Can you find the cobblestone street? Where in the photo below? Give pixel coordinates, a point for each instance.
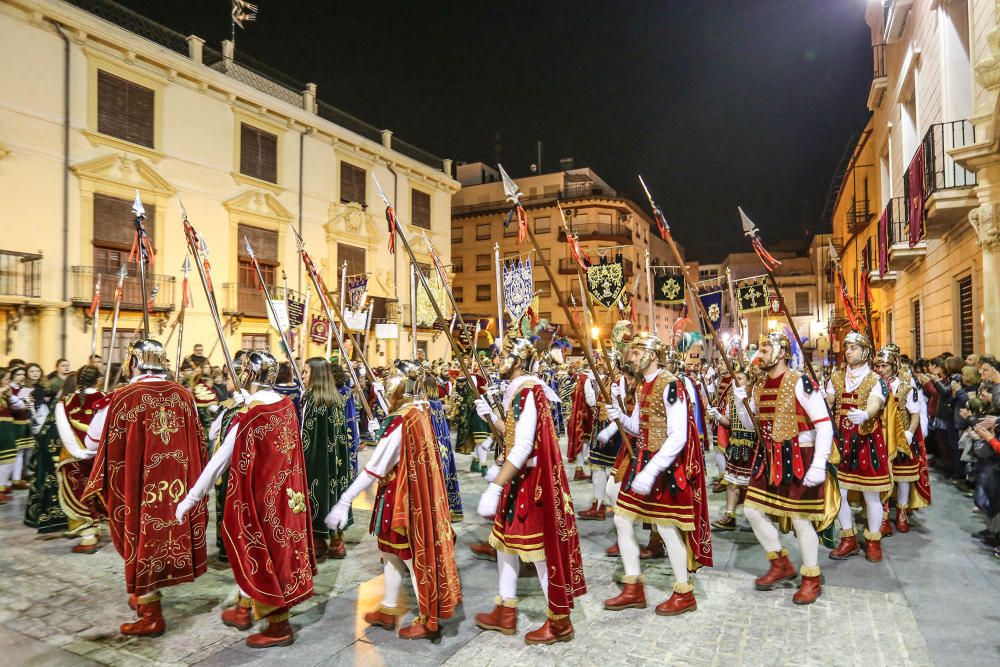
(933, 601)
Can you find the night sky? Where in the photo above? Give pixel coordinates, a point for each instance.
(717, 103)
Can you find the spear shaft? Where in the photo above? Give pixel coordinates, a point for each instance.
(274, 314)
(114, 326)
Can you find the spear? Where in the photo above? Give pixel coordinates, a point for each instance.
(95, 314)
(122, 272)
(330, 307)
(185, 296)
(199, 250)
(668, 237)
(396, 229)
(514, 196)
(274, 313)
(141, 243)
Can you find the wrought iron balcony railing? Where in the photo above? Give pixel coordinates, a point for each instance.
(941, 172)
(898, 218)
(600, 231)
(249, 301)
(20, 274)
(858, 215)
(83, 282)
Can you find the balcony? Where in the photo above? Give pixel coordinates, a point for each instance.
(894, 15)
(568, 266)
(249, 301)
(20, 276)
(948, 187)
(543, 199)
(858, 215)
(600, 231)
(83, 283)
(901, 254)
(880, 81)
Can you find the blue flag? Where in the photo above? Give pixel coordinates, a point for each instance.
(712, 301)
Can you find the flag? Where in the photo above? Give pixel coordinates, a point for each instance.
(915, 197)
(518, 287)
(319, 329)
(296, 311)
(883, 244)
(357, 291)
(606, 282)
(95, 302)
(712, 302)
(775, 305)
(668, 288)
(752, 298)
(390, 218)
(576, 252)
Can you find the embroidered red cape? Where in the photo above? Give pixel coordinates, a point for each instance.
(151, 453)
(581, 420)
(267, 525)
(422, 515)
(560, 535)
(692, 466)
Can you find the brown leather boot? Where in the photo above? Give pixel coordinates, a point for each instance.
(150, 623)
(239, 616)
(277, 632)
(338, 550)
(886, 528)
(502, 619)
(781, 570)
(848, 547)
(613, 550)
(484, 550)
(678, 603)
(633, 596)
(902, 520)
(873, 551)
(654, 549)
(552, 631)
(419, 629)
(133, 602)
(580, 475)
(727, 522)
(381, 619)
(594, 513)
(809, 590)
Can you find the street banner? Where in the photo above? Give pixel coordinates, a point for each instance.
(606, 282)
(712, 301)
(669, 289)
(518, 287)
(752, 298)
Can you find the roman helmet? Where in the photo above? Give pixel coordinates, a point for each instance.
(258, 368)
(517, 351)
(888, 355)
(653, 350)
(614, 361)
(778, 341)
(404, 384)
(146, 355)
(861, 340)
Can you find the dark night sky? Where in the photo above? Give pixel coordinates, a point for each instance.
(716, 103)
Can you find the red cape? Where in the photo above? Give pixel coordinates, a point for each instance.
(267, 525)
(151, 453)
(692, 467)
(581, 420)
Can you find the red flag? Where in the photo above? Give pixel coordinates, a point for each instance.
(95, 303)
(390, 217)
(883, 243)
(915, 197)
(577, 252)
(522, 224)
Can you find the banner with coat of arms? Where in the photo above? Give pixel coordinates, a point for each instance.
(606, 282)
(319, 329)
(752, 298)
(357, 292)
(296, 310)
(668, 289)
(712, 301)
(426, 315)
(518, 287)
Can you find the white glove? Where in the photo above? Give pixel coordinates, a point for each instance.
(213, 409)
(856, 416)
(337, 518)
(489, 501)
(483, 409)
(86, 454)
(373, 426)
(616, 390)
(714, 414)
(740, 393)
(814, 476)
(378, 387)
(183, 507)
(614, 412)
(492, 390)
(492, 472)
(643, 482)
(909, 437)
(606, 434)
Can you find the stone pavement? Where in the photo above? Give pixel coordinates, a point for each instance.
(933, 601)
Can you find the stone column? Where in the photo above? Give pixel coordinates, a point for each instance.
(47, 343)
(986, 221)
(195, 44)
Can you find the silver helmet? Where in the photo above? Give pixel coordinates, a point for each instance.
(147, 355)
(259, 368)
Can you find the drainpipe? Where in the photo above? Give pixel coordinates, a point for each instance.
(63, 322)
(302, 146)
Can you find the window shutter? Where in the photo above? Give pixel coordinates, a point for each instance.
(355, 258)
(124, 109)
(352, 183)
(258, 153)
(264, 242)
(420, 205)
(113, 222)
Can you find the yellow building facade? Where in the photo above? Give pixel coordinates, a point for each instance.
(933, 100)
(98, 112)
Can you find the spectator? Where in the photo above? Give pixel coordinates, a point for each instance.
(196, 359)
(97, 362)
(59, 375)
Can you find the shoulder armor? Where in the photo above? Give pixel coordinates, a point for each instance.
(672, 392)
(808, 385)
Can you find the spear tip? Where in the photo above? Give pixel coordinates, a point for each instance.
(246, 242)
(122, 272)
(137, 208)
(749, 228)
(186, 268)
(184, 213)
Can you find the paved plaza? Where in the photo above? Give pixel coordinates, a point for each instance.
(934, 600)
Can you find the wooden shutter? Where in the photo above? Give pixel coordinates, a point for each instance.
(258, 153)
(420, 209)
(114, 222)
(352, 183)
(124, 109)
(355, 258)
(264, 242)
(966, 321)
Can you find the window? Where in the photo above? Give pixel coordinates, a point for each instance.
(511, 230)
(420, 209)
(355, 258)
(459, 293)
(457, 233)
(124, 109)
(258, 153)
(258, 342)
(917, 343)
(458, 265)
(483, 232)
(482, 262)
(802, 303)
(352, 183)
(966, 323)
(114, 233)
(123, 338)
(483, 293)
(542, 224)
(249, 298)
(544, 288)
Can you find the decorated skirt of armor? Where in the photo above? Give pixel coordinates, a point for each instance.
(605, 454)
(739, 442)
(781, 458)
(864, 464)
(389, 541)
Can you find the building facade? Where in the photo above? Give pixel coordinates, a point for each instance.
(605, 223)
(916, 205)
(110, 103)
